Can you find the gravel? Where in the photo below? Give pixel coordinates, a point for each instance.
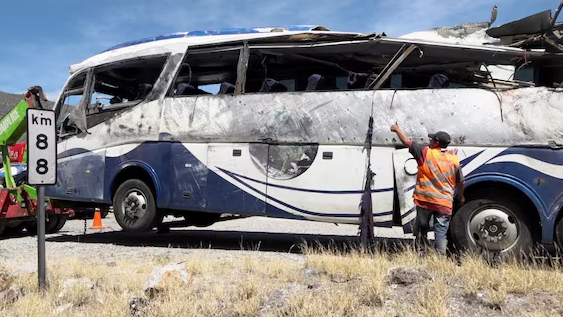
(274, 237)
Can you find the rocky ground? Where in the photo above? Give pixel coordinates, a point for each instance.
(260, 267)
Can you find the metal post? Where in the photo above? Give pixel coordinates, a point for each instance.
(41, 238)
(366, 224)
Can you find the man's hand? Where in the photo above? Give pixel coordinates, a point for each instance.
(404, 139)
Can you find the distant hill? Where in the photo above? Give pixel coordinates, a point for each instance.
(8, 101)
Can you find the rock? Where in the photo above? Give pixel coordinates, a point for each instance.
(73, 282)
(111, 264)
(6, 279)
(169, 276)
(12, 294)
(279, 297)
(25, 269)
(309, 271)
(137, 305)
(82, 281)
(61, 309)
(407, 276)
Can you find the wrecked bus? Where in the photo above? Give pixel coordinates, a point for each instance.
(272, 122)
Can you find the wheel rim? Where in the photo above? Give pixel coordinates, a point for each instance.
(494, 228)
(134, 204)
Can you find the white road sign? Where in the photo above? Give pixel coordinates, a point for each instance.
(41, 147)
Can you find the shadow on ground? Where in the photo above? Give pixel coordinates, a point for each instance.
(230, 240)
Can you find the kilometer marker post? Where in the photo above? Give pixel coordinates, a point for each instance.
(41, 171)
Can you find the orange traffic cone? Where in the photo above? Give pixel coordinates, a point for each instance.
(97, 220)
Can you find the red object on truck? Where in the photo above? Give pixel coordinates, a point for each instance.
(17, 152)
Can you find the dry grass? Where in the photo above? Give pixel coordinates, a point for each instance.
(326, 283)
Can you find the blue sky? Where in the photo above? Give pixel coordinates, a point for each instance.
(40, 39)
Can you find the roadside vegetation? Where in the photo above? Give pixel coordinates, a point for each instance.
(323, 282)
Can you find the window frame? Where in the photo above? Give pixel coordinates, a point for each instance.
(69, 92)
(133, 103)
(89, 84)
(206, 49)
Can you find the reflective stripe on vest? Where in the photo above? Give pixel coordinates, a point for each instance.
(436, 178)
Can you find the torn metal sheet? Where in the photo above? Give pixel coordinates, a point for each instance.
(530, 116)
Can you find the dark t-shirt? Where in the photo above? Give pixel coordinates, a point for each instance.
(419, 151)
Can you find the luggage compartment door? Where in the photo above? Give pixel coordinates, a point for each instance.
(406, 168)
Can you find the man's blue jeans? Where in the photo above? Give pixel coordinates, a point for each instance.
(422, 226)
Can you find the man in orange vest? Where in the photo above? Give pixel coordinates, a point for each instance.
(439, 174)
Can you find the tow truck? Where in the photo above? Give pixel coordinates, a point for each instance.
(18, 200)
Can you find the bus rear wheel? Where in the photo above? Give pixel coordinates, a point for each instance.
(134, 206)
(496, 226)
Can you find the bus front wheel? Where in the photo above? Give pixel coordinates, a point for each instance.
(134, 206)
(496, 226)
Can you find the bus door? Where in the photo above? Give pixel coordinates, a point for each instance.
(406, 168)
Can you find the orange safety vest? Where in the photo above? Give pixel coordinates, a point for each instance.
(436, 178)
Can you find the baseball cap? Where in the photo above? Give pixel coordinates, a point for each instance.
(442, 137)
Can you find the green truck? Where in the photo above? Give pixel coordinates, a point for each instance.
(18, 201)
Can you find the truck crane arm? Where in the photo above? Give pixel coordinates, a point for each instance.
(13, 127)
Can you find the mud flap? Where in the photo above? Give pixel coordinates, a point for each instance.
(406, 168)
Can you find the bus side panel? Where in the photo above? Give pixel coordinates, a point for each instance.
(325, 183)
(188, 182)
(79, 176)
(234, 184)
(152, 157)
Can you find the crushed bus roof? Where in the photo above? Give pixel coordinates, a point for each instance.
(231, 31)
(180, 42)
(292, 36)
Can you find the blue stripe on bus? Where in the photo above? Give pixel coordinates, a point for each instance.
(311, 213)
(232, 174)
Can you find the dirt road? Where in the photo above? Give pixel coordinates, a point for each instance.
(273, 237)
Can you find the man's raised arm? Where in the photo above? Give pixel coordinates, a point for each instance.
(402, 136)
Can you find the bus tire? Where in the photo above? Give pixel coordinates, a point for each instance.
(559, 232)
(134, 206)
(494, 227)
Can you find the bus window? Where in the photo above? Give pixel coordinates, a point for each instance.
(129, 81)
(71, 98)
(206, 73)
(120, 86)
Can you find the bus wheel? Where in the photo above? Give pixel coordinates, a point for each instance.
(559, 232)
(496, 226)
(134, 206)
